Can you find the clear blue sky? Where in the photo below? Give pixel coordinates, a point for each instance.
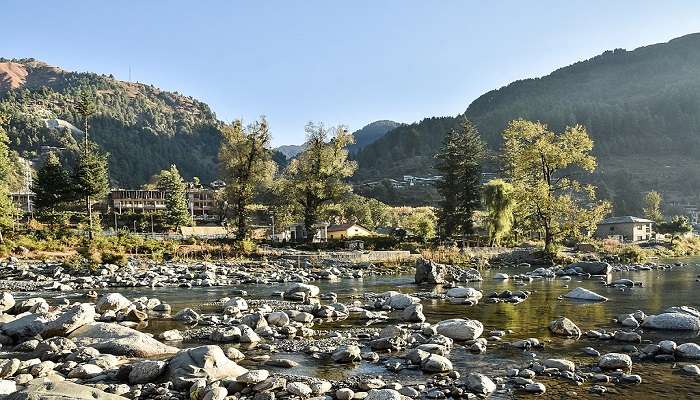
(348, 62)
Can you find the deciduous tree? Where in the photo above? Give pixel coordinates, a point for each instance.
(652, 206)
(676, 227)
(246, 164)
(499, 202)
(542, 166)
(318, 175)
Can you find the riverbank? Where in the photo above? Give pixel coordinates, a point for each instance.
(343, 328)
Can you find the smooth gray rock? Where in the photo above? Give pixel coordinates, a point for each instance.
(70, 320)
(51, 389)
(584, 294)
(112, 302)
(565, 327)
(201, 362)
(480, 383)
(615, 361)
(674, 321)
(460, 329)
(119, 340)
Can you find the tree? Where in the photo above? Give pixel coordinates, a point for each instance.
(542, 166)
(90, 179)
(51, 188)
(421, 222)
(459, 164)
(318, 175)
(176, 213)
(8, 211)
(499, 202)
(85, 106)
(652, 206)
(677, 227)
(246, 164)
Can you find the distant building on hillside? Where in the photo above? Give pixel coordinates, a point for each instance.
(200, 202)
(626, 229)
(24, 200)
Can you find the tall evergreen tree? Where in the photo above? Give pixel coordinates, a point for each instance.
(246, 163)
(51, 187)
(176, 213)
(90, 179)
(318, 175)
(459, 162)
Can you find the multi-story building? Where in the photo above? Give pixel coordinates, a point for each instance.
(24, 200)
(200, 202)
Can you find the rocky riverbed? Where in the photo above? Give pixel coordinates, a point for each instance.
(284, 329)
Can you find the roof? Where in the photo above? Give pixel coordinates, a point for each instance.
(627, 219)
(344, 227)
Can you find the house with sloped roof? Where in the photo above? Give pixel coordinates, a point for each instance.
(626, 229)
(347, 231)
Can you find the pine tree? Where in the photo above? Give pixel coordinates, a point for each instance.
(90, 179)
(459, 164)
(51, 187)
(246, 163)
(176, 213)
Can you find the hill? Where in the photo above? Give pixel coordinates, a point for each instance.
(641, 107)
(144, 129)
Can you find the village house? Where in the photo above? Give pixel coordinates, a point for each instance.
(625, 229)
(200, 202)
(347, 231)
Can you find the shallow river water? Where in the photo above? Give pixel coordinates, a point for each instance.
(661, 289)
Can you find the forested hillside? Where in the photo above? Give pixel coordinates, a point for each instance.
(143, 128)
(641, 107)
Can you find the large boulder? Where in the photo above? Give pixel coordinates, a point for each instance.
(689, 351)
(428, 271)
(112, 302)
(119, 340)
(300, 291)
(413, 313)
(436, 363)
(480, 383)
(565, 327)
(70, 320)
(26, 325)
(53, 389)
(146, 371)
(399, 301)
(383, 394)
(584, 294)
(208, 362)
(347, 354)
(591, 267)
(460, 329)
(672, 321)
(6, 301)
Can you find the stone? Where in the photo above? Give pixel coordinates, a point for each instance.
(119, 340)
(6, 301)
(8, 367)
(591, 267)
(536, 388)
(187, 315)
(429, 272)
(248, 335)
(201, 362)
(399, 301)
(70, 320)
(584, 294)
(383, 394)
(344, 394)
(501, 276)
(278, 319)
(112, 302)
(464, 293)
(460, 329)
(216, 393)
(691, 369)
(281, 363)
(347, 354)
(253, 377)
(7, 387)
(51, 389)
(300, 291)
(172, 335)
(85, 371)
(674, 321)
(225, 335)
(26, 326)
(146, 371)
(480, 383)
(299, 389)
(565, 327)
(560, 364)
(690, 351)
(615, 361)
(413, 313)
(630, 337)
(436, 363)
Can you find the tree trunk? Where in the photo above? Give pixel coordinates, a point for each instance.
(241, 220)
(88, 206)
